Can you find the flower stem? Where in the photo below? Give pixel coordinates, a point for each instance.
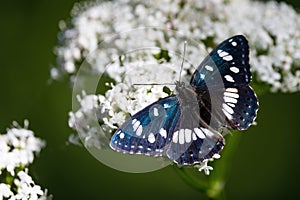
(214, 185)
(222, 167)
(191, 179)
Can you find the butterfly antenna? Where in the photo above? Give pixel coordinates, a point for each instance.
(184, 49)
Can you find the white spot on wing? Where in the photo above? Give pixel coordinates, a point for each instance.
(133, 121)
(233, 95)
(231, 104)
(234, 69)
(207, 132)
(188, 135)
(181, 136)
(233, 43)
(194, 136)
(136, 125)
(167, 105)
(139, 130)
(175, 137)
(209, 68)
(230, 99)
(222, 53)
(199, 133)
(229, 78)
(231, 90)
(151, 138)
(225, 55)
(122, 135)
(163, 133)
(228, 109)
(155, 111)
(228, 58)
(229, 116)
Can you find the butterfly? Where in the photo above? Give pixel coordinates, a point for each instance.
(186, 127)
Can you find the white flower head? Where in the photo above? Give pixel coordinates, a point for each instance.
(27, 188)
(272, 29)
(5, 191)
(17, 148)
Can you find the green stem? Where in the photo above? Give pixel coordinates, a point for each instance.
(222, 167)
(191, 180)
(213, 187)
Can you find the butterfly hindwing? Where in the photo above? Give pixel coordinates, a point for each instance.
(199, 144)
(148, 131)
(204, 146)
(193, 140)
(240, 106)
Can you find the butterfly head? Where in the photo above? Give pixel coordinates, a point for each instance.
(179, 85)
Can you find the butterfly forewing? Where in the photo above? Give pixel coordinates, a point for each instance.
(148, 131)
(230, 60)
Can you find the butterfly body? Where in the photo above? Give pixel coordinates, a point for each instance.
(185, 126)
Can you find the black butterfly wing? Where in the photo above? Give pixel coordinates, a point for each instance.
(240, 106)
(228, 62)
(222, 82)
(149, 131)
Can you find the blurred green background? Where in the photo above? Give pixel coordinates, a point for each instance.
(266, 165)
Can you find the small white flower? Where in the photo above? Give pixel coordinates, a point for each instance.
(204, 167)
(18, 147)
(5, 191)
(112, 109)
(26, 187)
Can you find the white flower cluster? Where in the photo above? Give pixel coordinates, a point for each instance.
(84, 121)
(26, 188)
(273, 30)
(17, 149)
(112, 108)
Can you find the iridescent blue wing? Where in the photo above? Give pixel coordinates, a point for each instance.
(229, 61)
(150, 130)
(225, 75)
